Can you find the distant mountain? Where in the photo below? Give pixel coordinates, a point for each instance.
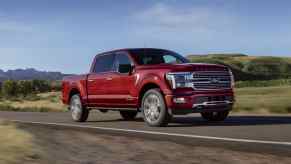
(29, 74)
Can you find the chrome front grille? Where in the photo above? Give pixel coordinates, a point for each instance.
(211, 80)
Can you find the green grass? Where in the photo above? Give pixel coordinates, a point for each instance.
(263, 100)
(263, 83)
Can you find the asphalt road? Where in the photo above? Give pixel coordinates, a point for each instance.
(264, 134)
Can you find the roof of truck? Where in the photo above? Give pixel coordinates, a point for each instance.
(133, 49)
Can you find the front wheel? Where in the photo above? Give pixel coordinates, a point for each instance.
(78, 111)
(215, 116)
(154, 109)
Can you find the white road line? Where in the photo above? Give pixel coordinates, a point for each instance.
(161, 133)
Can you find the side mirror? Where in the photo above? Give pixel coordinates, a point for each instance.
(125, 68)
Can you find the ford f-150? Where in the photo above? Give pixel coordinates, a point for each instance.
(158, 83)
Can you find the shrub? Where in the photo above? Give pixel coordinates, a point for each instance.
(12, 89)
(9, 88)
(269, 66)
(56, 86)
(25, 88)
(40, 86)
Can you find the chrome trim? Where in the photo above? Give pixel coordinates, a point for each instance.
(217, 73)
(213, 103)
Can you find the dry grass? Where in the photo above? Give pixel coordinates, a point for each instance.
(15, 145)
(263, 100)
(45, 102)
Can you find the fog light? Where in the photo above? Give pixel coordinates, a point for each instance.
(179, 100)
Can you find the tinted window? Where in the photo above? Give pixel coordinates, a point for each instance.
(104, 63)
(170, 59)
(121, 59)
(156, 56)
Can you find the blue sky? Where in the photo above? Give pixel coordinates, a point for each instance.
(64, 35)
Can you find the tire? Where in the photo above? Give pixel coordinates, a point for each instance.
(128, 115)
(79, 113)
(155, 113)
(215, 116)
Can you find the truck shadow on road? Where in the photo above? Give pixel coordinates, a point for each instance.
(188, 121)
(231, 121)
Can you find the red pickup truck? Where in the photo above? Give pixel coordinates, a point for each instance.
(158, 83)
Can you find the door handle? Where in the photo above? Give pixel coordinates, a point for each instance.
(90, 80)
(109, 78)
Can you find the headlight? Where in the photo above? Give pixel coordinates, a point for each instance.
(180, 79)
(232, 79)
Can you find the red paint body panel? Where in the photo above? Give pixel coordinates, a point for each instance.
(116, 90)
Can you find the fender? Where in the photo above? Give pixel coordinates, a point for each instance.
(81, 88)
(154, 79)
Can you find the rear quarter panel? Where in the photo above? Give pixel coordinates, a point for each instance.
(74, 83)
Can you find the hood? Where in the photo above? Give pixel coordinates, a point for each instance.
(191, 67)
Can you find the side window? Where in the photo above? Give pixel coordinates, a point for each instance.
(152, 59)
(104, 63)
(122, 63)
(170, 59)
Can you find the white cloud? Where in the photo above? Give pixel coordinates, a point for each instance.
(166, 17)
(182, 27)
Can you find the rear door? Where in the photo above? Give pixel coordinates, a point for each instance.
(97, 85)
(121, 84)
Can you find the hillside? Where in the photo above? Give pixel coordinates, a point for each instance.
(250, 67)
(243, 66)
(29, 74)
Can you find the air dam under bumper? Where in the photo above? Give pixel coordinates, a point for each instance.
(197, 103)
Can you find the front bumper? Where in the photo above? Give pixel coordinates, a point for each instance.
(201, 102)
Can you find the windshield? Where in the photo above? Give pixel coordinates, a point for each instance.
(154, 56)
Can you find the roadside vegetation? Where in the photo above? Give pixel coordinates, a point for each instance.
(250, 68)
(263, 83)
(41, 102)
(31, 96)
(26, 88)
(16, 145)
(263, 100)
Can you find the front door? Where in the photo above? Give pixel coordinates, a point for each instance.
(122, 83)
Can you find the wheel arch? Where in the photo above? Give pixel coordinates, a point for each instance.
(73, 92)
(145, 88)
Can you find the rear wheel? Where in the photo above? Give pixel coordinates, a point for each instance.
(78, 111)
(215, 116)
(128, 115)
(154, 109)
